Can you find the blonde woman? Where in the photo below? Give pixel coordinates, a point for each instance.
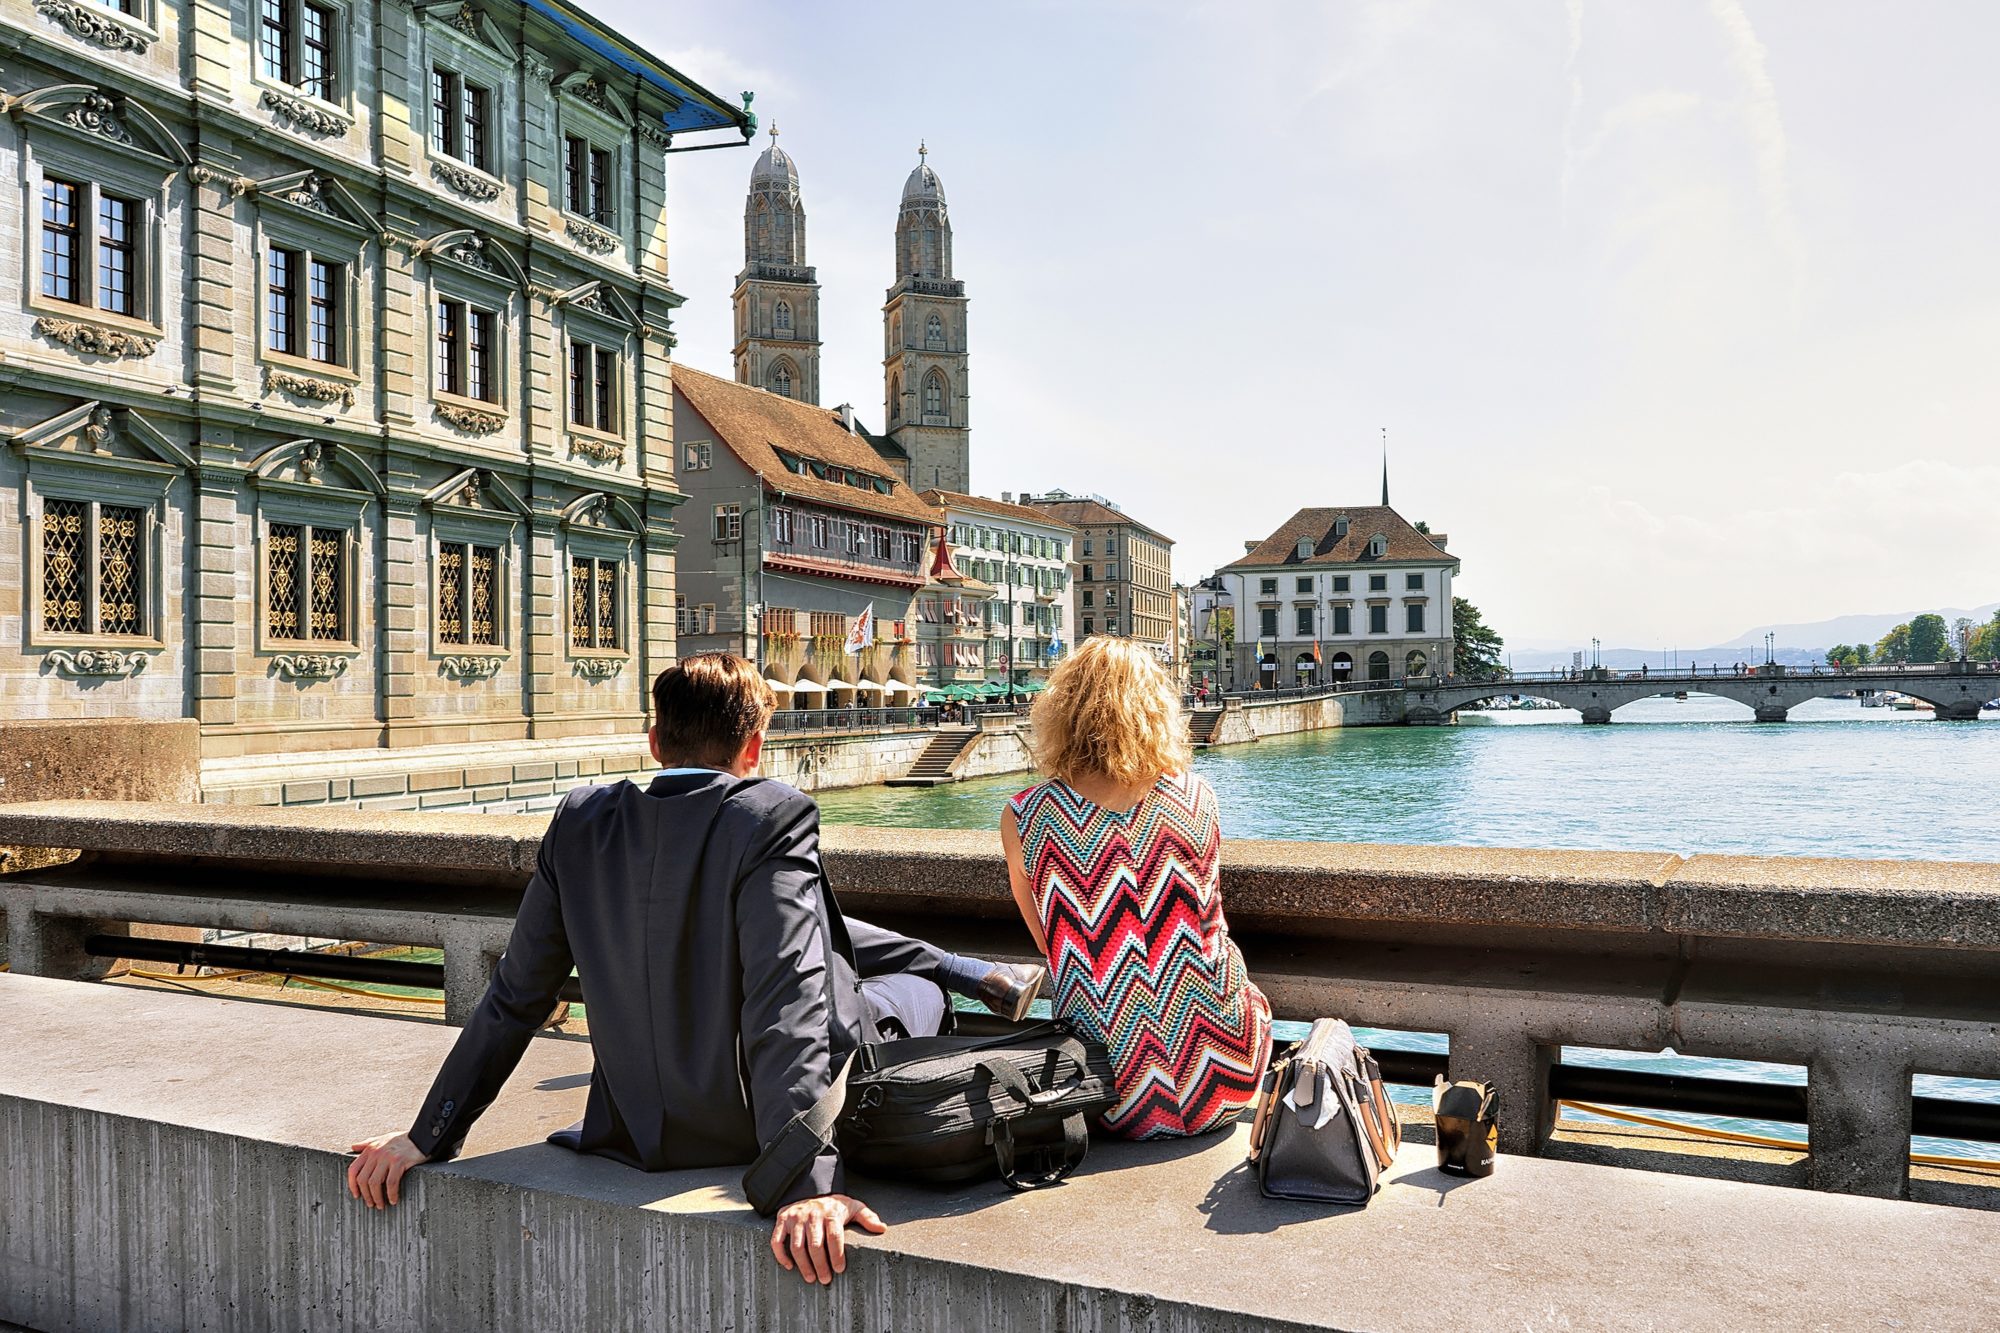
(1114, 862)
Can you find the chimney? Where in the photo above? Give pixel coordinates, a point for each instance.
(1006, 497)
(846, 411)
(1248, 547)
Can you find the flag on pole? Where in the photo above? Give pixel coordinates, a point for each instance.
(1316, 657)
(863, 632)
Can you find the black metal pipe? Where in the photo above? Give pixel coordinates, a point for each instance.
(1679, 1092)
(283, 962)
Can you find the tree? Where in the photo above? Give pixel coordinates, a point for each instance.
(1985, 640)
(1840, 655)
(1894, 647)
(1475, 649)
(1929, 639)
(1862, 653)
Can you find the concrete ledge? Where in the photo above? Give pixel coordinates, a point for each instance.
(177, 1163)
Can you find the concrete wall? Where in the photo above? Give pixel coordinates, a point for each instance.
(1253, 719)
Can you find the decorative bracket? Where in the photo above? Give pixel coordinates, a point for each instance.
(309, 666)
(99, 663)
(468, 667)
(470, 418)
(590, 236)
(471, 184)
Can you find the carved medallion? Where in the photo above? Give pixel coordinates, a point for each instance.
(97, 663)
(88, 22)
(310, 193)
(92, 340)
(599, 668)
(309, 666)
(591, 237)
(97, 114)
(471, 184)
(305, 386)
(468, 667)
(591, 91)
(470, 418)
(310, 118)
(470, 252)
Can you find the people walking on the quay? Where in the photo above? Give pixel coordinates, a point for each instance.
(725, 987)
(1115, 865)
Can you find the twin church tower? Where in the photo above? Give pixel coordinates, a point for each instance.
(923, 322)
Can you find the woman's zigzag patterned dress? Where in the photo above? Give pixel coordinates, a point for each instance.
(1139, 954)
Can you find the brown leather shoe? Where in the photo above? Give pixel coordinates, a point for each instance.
(1010, 988)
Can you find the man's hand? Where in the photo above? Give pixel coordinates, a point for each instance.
(809, 1237)
(375, 1177)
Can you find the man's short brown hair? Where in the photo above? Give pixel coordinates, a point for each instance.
(708, 707)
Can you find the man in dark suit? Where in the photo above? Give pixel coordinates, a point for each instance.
(722, 983)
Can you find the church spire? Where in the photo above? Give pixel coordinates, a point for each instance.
(1385, 467)
(924, 367)
(777, 294)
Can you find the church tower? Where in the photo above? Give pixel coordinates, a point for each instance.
(777, 294)
(924, 361)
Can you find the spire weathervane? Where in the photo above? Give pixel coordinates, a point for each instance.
(922, 151)
(774, 131)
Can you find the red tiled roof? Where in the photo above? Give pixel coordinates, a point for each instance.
(999, 508)
(754, 424)
(1082, 513)
(1363, 522)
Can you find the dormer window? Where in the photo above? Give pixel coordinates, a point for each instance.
(1378, 546)
(1339, 528)
(1305, 548)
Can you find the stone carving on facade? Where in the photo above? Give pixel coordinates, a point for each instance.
(468, 494)
(537, 66)
(470, 252)
(471, 184)
(604, 451)
(100, 431)
(591, 91)
(88, 22)
(92, 340)
(309, 193)
(306, 386)
(465, 666)
(466, 20)
(470, 418)
(98, 663)
(309, 666)
(310, 118)
(310, 458)
(599, 668)
(655, 134)
(592, 238)
(97, 114)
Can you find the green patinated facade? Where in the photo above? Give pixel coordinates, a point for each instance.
(334, 397)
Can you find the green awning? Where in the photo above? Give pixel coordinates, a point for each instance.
(992, 689)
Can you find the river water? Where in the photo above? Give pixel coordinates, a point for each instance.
(1687, 777)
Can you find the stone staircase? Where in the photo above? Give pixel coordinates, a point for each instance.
(933, 765)
(1202, 726)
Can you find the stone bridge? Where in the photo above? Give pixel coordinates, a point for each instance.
(1955, 689)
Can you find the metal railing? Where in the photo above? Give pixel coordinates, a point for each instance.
(908, 718)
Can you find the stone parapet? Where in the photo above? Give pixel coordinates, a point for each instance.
(196, 1182)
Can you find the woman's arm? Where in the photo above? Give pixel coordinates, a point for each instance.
(1017, 879)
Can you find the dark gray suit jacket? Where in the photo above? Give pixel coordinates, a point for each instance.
(721, 981)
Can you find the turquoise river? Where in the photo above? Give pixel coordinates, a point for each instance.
(1687, 777)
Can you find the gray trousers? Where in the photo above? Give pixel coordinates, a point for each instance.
(902, 1005)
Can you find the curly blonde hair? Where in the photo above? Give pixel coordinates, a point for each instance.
(1110, 710)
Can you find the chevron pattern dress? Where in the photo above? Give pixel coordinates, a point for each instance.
(1139, 954)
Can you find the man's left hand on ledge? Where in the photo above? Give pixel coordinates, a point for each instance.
(375, 1176)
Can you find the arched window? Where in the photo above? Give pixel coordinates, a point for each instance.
(1342, 665)
(782, 319)
(895, 397)
(781, 379)
(1416, 663)
(1378, 665)
(1306, 669)
(934, 394)
(934, 334)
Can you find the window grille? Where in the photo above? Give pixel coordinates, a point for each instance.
(281, 609)
(593, 602)
(118, 557)
(328, 577)
(63, 553)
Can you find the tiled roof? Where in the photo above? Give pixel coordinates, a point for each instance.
(1080, 513)
(754, 424)
(998, 508)
(1363, 522)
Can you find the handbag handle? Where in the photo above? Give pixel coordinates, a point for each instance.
(1006, 1075)
(1075, 1147)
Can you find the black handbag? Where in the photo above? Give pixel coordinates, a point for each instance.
(943, 1110)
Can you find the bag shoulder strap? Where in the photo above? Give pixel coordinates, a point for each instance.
(804, 1137)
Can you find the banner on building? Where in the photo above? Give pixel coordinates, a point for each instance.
(863, 632)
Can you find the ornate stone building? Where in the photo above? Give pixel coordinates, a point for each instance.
(777, 293)
(1124, 582)
(334, 395)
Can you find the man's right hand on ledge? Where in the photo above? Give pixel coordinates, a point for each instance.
(809, 1237)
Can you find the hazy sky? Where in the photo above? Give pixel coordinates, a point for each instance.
(1681, 317)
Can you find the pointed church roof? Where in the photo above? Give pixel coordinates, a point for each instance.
(774, 167)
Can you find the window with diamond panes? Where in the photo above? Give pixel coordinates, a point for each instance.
(305, 582)
(593, 602)
(468, 594)
(92, 568)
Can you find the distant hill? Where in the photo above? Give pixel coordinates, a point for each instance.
(1799, 644)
